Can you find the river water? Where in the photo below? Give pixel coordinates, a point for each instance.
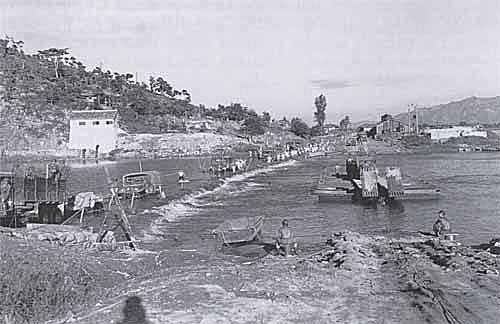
(469, 182)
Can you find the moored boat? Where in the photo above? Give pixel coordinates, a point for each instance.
(419, 192)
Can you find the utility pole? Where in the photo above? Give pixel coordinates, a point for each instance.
(409, 121)
(416, 119)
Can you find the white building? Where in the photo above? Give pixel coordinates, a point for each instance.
(200, 125)
(441, 134)
(89, 128)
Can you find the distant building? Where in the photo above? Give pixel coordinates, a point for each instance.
(388, 126)
(99, 99)
(330, 129)
(201, 125)
(285, 124)
(365, 128)
(89, 128)
(442, 134)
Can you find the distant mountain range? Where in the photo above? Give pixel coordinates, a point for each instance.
(472, 110)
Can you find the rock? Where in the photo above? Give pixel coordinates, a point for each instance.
(80, 237)
(491, 271)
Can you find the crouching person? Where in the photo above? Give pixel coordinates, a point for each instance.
(285, 242)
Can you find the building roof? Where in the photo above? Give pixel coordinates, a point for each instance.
(95, 91)
(93, 114)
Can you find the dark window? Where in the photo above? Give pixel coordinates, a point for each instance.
(96, 122)
(81, 123)
(109, 122)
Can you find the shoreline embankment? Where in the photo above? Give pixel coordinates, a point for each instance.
(351, 278)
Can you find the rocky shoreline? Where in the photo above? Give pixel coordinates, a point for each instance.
(131, 146)
(352, 278)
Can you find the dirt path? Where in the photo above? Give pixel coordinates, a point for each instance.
(352, 288)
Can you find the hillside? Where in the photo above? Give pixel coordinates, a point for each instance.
(39, 91)
(471, 110)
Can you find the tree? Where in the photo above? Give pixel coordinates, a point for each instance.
(187, 95)
(300, 128)
(319, 114)
(253, 125)
(152, 84)
(345, 123)
(54, 54)
(266, 118)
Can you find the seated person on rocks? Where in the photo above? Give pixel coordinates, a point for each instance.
(442, 225)
(285, 241)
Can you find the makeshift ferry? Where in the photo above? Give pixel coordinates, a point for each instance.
(362, 182)
(240, 230)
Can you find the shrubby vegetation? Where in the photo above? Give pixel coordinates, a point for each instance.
(38, 91)
(40, 288)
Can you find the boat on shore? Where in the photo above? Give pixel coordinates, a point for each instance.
(239, 230)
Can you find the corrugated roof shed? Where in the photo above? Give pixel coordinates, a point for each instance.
(93, 114)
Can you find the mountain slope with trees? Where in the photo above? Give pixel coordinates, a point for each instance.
(39, 91)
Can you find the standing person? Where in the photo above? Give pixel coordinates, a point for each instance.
(97, 153)
(181, 178)
(285, 239)
(5, 194)
(442, 225)
(54, 172)
(114, 187)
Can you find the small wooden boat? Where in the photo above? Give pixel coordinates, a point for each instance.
(420, 192)
(240, 230)
(332, 188)
(334, 194)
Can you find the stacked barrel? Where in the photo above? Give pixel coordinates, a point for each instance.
(369, 177)
(394, 182)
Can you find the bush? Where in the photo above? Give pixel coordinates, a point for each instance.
(35, 289)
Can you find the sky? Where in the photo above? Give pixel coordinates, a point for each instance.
(367, 57)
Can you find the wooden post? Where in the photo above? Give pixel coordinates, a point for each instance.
(132, 200)
(81, 215)
(47, 183)
(122, 217)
